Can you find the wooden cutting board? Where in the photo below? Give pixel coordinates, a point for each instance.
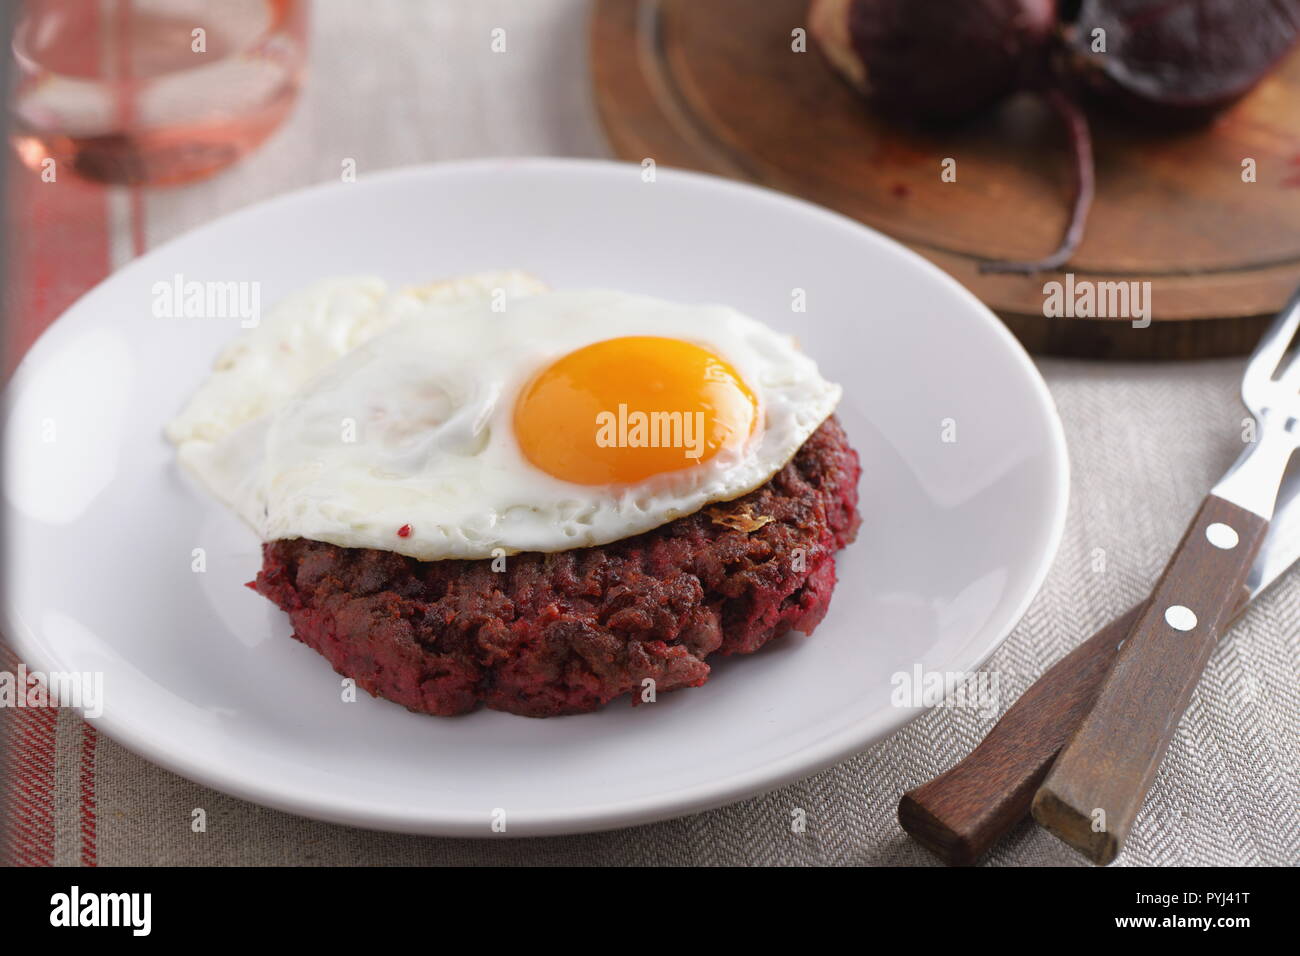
(714, 85)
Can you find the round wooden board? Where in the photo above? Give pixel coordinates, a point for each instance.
(715, 85)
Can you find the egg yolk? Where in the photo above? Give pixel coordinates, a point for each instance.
(627, 409)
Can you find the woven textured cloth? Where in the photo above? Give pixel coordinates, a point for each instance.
(395, 83)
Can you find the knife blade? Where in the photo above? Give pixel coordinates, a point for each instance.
(961, 813)
(1281, 547)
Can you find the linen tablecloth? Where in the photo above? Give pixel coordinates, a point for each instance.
(395, 82)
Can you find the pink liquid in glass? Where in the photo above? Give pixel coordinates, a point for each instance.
(153, 91)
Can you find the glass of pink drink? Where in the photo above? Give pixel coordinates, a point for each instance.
(152, 91)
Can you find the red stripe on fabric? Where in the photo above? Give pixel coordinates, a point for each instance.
(28, 804)
(137, 222)
(32, 786)
(8, 768)
(58, 248)
(89, 737)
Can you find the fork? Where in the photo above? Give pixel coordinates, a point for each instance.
(1095, 789)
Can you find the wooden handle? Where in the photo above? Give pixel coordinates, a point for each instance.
(961, 813)
(1096, 786)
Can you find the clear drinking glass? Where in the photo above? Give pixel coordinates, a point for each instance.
(153, 91)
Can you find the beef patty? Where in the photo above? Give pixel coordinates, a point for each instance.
(564, 633)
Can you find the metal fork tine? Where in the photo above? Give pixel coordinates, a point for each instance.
(1291, 377)
(1275, 342)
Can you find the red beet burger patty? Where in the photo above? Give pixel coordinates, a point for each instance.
(565, 633)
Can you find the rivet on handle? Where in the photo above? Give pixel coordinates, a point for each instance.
(1180, 618)
(1221, 536)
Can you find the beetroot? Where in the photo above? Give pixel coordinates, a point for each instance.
(1180, 60)
(946, 60)
(1171, 60)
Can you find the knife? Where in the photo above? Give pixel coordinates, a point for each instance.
(1094, 792)
(961, 813)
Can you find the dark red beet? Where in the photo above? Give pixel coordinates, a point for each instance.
(944, 60)
(939, 59)
(1168, 60)
(1181, 60)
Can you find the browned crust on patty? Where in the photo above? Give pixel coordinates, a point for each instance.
(567, 632)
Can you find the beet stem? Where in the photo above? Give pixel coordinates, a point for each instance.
(1084, 189)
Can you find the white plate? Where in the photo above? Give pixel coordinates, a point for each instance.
(200, 674)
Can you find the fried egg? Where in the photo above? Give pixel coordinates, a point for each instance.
(471, 426)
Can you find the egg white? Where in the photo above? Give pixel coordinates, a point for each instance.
(410, 430)
(309, 331)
